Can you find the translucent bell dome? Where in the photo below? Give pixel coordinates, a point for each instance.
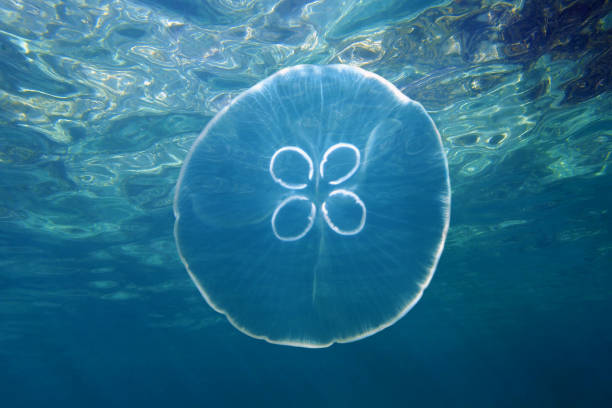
(313, 209)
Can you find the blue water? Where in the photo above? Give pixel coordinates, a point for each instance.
(100, 102)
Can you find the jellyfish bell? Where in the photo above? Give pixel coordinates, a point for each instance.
(313, 209)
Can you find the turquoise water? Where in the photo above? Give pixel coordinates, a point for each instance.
(100, 102)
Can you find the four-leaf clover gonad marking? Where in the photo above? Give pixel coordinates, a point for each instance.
(292, 168)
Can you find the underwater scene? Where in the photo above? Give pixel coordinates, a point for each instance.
(305, 203)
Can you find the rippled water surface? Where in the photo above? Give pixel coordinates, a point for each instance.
(101, 100)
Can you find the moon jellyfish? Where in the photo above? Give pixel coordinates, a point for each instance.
(313, 209)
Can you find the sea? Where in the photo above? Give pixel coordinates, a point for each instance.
(101, 100)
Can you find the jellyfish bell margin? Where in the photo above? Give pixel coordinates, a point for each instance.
(313, 209)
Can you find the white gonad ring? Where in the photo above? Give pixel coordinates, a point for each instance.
(294, 201)
(345, 198)
(333, 149)
(285, 151)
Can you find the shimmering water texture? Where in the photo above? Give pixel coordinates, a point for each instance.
(313, 209)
